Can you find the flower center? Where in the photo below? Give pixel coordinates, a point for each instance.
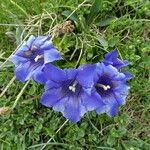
(38, 57)
(73, 86)
(105, 87)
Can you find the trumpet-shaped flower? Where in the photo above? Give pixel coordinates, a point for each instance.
(110, 87)
(66, 94)
(31, 57)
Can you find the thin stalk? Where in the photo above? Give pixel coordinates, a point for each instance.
(8, 85)
(20, 94)
(55, 134)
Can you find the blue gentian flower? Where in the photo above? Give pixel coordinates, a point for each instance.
(66, 94)
(31, 57)
(111, 58)
(110, 87)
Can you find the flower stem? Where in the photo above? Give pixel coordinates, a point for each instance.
(55, 134)
(8, 85)
(20, 94)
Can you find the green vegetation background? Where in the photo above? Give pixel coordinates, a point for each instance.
(99, 27)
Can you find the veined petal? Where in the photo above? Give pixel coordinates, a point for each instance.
(18, 59)
(51, 85)
(47, 45)
(72, 109)
(60, 105)
(92, 102)
(53, 73)
(39, 76)
(111, 58)
(71, 73)
(50, 98)
(113, 110)
(24, 71)
(128, 75)
(30, 41)
(25, 46)
(87, 75)
(51, 55)
(39, 41)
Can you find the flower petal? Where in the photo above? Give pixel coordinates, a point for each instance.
(53, 73)
(71, 73)
(24, 71)
(18, 59)
(40, 41)
(39, 76)
(92, 102)
(30, 41)
(50, 97)
(51, 55)
(111, 58)
(112, 105)
(72, 109)
(51, 85)
(128, 75)
(87, 75)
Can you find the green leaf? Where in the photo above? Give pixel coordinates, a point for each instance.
(113, 41)
(73, 17)
(103, 42)
(95, 9)
(106, 21)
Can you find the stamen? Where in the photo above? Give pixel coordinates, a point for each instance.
(73, 86)
(38, 57)
(28, 53)
(105, 87)
(34, 47)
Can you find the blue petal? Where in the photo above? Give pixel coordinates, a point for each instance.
(112, 72)
(51, 85)
(30, 41)
(92, 102)
(111, 105)
(21, 51)
(128, 75)
(121, 98)
(47, 45)
(39, 76)
(60, 105)
(121, 87)
(111, 56)
(18, 59)
(51, 55)
(25, 71)
(50, 97)
(25, 46)
(113, 110)
(55, 74)
(112, 59)
(87, 75)
(72, 109)
(39, 41)
(71, 73)
(121, 63)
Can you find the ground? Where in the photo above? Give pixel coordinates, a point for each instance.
(95, 27)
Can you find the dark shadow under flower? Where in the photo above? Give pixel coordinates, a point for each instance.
(31, 57)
